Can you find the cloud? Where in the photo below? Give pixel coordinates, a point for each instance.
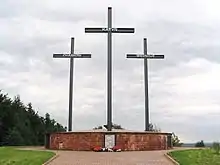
(183, 88)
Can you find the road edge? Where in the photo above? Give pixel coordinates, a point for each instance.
(171, 159)
(51, 159)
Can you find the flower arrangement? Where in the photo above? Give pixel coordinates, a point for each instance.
(97, 149)
(100, 149)
(116, 149)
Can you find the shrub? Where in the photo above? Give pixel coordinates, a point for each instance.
(200, 144)
(176, 140)
(216, 147)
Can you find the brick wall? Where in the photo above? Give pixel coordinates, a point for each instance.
(141, 142)
(76, 141)
(130, 141)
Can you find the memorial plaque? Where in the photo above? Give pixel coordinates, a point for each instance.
(109, 141)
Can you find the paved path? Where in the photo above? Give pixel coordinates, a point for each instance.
(111, 158)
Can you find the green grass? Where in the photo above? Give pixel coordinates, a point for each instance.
(196, 157)
(12, 156)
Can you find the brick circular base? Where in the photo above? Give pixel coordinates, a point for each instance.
(126, 140)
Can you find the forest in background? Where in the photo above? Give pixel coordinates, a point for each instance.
(21, 125)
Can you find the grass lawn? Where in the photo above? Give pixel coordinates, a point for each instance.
(12, 156)
(196, 157)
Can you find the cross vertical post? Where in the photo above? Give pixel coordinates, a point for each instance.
(71, 56)
(109, 79)
(71, 87)
(146, 88)
(109, 30)
(146, 56)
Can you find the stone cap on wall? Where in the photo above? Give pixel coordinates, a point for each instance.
(114, 131)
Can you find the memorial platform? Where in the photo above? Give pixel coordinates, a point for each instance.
(125, 139)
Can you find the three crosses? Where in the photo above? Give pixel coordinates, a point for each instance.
(109, 30)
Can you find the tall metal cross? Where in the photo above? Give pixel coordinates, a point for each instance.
(71, 56)
(146, 56)
(109, 30)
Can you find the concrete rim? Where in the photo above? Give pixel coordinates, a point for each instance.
(171, 159)
(51, 159)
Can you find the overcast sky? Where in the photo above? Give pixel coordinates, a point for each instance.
(184, 88)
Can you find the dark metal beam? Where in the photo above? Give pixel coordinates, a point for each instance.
(109, 76)
(109, 30)
(146, 88)
(71, 55)
(71, 87)
(141, 56)
(146, 56)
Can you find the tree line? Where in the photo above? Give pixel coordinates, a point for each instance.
(20, 124)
